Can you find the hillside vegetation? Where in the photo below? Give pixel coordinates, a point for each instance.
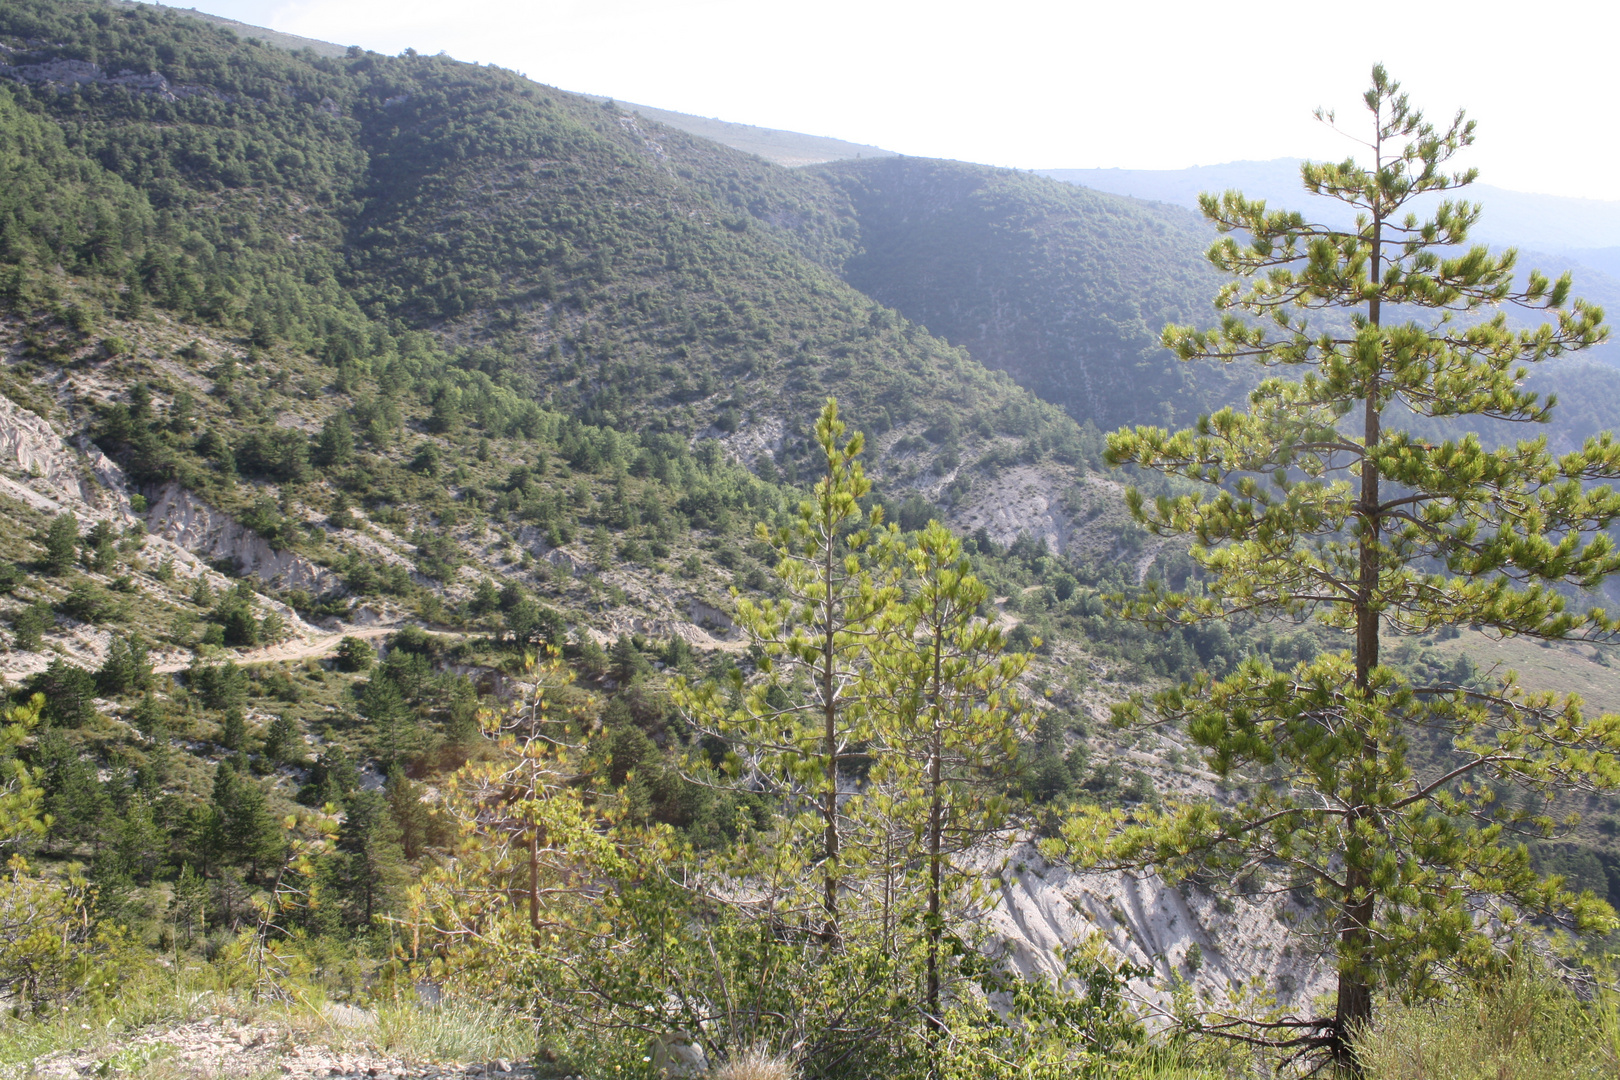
(351, 405)
(1063, 288)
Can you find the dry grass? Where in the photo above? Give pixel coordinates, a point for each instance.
(755, 1064)
(457, 1030)
(1562, 667)
(1527, 1028)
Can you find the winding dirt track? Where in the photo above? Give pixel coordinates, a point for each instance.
(302, 650)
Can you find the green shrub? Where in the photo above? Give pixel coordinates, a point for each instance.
(29, 625)
(61, 543)
(355, 654)
(69, 691)
(1522, 1024)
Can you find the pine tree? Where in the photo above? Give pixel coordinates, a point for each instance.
(241, 829)
(29, 626)
(189, 907)
(373, 867)
(335, 444)
(947, 728)
(233, 730)
(355, 654)
(282, 743)
(411, 815)
(817, 634)
(61, 543)
(127, 667)
(75, 797)
(1319, 508)
(70, 693)
(22, 794)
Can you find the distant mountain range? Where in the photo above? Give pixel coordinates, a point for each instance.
(1585, 232)
(1582, 233)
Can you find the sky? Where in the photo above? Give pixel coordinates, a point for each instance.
(1037, 84)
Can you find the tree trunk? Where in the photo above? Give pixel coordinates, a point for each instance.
(936, 842)
(1353, 1008)
(534, 883)
(830, 738)
(936, 928)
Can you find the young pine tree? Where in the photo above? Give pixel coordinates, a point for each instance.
(371, 870)
(816, 638)
(1319, 506)
(61, 543)
(948, 727)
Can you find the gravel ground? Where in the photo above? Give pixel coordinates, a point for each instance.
(215, 1048)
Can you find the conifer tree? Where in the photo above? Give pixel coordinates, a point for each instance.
(1319, 506)
(70, 693)
(76, 799)
(373, 866)
(61, 542)
(241, 828)
(818, 634)
(22, 795)
(948, 726)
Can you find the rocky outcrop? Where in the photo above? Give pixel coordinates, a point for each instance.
(1025, 499)
(179, 516)
(43, 470)
(1177, 933)
(58, 73)
(751, 441)
(50, 474)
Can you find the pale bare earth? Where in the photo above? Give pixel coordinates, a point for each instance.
(1142, 919)
(220, 1047)
(322, 644)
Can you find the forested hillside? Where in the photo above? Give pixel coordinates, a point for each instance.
(383, 445)
(1063, 288)
(334, 386)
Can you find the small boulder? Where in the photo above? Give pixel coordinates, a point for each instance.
(678, 1054)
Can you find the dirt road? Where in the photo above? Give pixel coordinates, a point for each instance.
(303, 649)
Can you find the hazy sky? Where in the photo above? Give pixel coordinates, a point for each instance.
(1036, 84)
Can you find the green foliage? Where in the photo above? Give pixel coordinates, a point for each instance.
(1083, 338)
(219, 686)
(89, 603)
(948, 726)
(371, 872)
(1293, 522)
(238, 828)
(818, 632)
(127, 667)
(1084, 1028)
(61, 543)
(1519, 1022)
(29, 626)
(355, 654)
(49, 948)
(21, 797)
(69, 692)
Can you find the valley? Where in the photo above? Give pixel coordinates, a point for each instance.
(404, 469)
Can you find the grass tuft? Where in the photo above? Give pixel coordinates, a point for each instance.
(456, 1030)
(1528, 1026)
(755, 1063)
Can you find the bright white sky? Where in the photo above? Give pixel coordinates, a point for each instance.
(1156, 84)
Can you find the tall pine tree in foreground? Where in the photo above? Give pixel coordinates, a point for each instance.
(1315, 509)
